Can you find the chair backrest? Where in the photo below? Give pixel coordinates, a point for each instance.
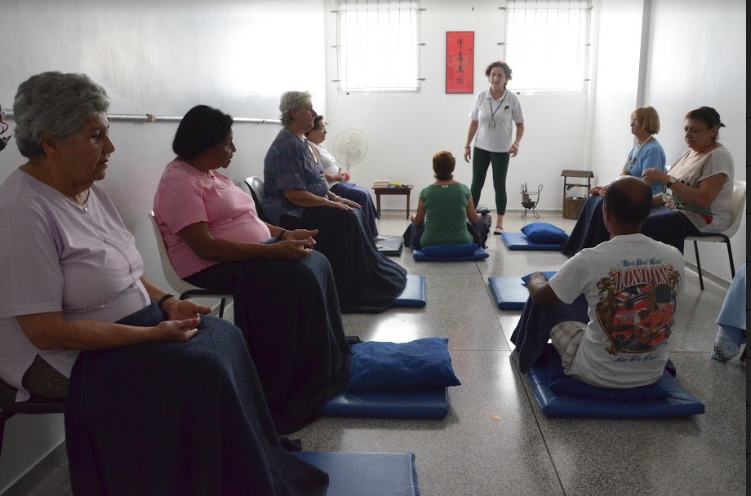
(739, 201)
(173, 279)
(255, 185)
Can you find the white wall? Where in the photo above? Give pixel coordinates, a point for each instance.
(158, 57)
(693, 54)
(614, 86)
(697, 56)
(405, 130)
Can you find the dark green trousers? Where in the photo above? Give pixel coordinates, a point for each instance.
(481, 159)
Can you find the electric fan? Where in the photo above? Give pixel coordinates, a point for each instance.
(350, 147)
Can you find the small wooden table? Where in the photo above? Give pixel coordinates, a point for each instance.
(572, 207)
(391, 190)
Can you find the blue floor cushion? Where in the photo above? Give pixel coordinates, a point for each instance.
(396, 380)
(561, 396)
(414, 293)
(366, 474)
(520, 242)
(450, 253)
(544, 233)
(390, 245)
(417, 365)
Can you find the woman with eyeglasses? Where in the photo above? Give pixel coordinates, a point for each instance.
(647, 153)
(296, 195)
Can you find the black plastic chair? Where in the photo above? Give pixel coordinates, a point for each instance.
(255, 185)
(739, 202)
(32, 406)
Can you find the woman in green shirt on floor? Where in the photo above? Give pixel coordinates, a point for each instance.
(445, 213)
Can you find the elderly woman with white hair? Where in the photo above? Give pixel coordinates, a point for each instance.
(152, 385)
(297, 196)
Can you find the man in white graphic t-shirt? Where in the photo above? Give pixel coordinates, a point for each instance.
(631, 284)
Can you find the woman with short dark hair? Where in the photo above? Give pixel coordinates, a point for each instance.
(445, 211)
(285, 299)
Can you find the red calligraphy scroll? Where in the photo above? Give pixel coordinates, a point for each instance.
(460, 61)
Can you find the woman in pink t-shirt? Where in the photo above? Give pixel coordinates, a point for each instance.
(285, 298)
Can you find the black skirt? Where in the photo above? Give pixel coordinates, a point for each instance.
(366, 280)
(177, 419)
(663, 224)
(289, 313)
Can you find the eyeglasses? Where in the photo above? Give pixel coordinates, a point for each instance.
(634, 123)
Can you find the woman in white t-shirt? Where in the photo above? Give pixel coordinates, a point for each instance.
(337, 178)
(493, 113)
(701, 180)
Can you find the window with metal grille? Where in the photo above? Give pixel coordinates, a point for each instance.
(547, 44)
(378, 45)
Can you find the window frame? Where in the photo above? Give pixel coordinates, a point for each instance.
(342, 7)
(586, 8)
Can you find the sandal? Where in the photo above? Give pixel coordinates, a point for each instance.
(498, 231)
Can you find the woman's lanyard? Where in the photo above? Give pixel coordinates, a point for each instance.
(631, 161)
(491, 124)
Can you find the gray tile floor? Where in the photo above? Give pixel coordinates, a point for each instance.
(495, 439)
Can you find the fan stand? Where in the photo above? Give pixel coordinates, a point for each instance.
(530, 200)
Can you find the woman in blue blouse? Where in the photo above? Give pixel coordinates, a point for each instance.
(296, 194)
(646, 154)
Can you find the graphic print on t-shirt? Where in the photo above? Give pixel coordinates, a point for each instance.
(637, 304)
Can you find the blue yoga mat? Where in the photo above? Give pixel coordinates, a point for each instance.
(426, 404)
(510, 293)
(414, 293)
(677, 401)
(520, 242)
(390, 245)
(479, 254)
(366, 474)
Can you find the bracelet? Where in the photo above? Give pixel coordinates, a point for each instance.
(281, 234)
(517, 144)
(163, 299)
(467, 147)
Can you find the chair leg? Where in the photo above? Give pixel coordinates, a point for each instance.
(3, 418)
(730, 257)
(698, 264)
(221, 308)
(743, 355)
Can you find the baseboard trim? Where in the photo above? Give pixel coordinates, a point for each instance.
(712, 282)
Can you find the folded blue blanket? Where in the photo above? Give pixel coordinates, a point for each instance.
(733, 312)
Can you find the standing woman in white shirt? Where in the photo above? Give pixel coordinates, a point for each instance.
(491, 118)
